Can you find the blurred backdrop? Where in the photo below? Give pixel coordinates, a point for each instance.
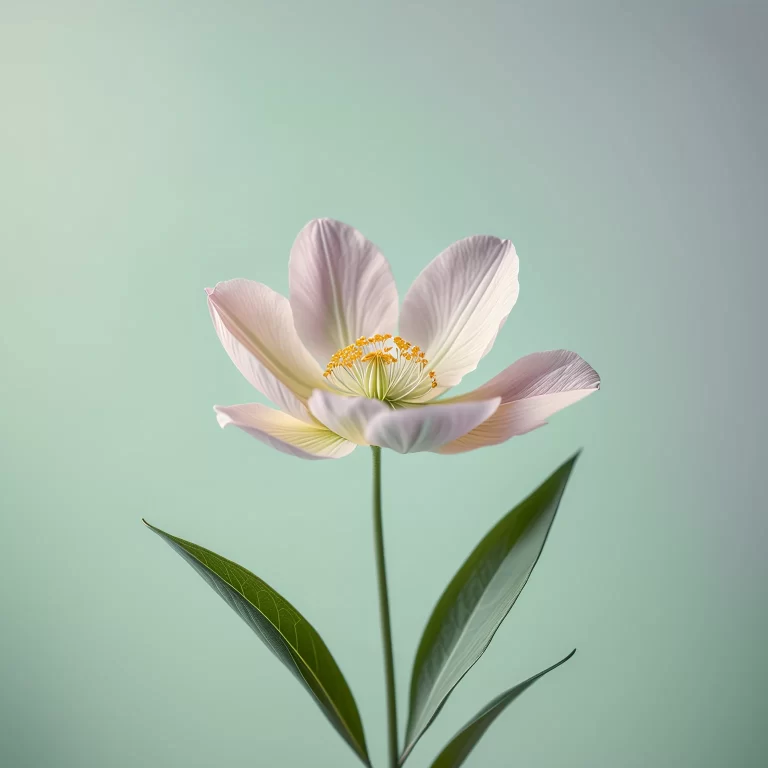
(152, 149)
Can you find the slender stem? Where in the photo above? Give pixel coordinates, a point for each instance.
(386, 627)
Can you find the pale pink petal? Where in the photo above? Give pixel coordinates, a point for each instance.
(255, 326)
(427, 427)
(456, 306)
(540, 373)
(283, 432)
(531, 390)
(347, 416)
(341, 288)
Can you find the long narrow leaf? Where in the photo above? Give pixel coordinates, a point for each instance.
(476, 601)
(284, 631)
(465, 740)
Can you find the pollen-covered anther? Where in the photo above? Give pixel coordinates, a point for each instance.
(379, 354)
(375, 367)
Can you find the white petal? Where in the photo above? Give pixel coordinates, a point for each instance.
(341, 288)
(531, 390)
(255, 326)
(347, 416)
(427, 427)
(456, 306)
(283, 432)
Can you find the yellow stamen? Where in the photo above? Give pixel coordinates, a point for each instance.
(372, 368)
(379, 354)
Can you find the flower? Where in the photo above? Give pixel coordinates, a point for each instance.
(329, 357)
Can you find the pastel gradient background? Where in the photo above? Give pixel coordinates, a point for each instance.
(150, 149)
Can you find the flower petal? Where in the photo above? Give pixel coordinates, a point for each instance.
(427, 427)
(531, 390)
(456, 306)
(346, 416)
(281, 431)
(341, 288)
(255, 325)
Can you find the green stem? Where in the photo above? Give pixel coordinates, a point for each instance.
(386, 627)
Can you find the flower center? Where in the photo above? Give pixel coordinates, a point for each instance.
(381, 367)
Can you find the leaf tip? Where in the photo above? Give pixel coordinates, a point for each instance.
(568, 465)
(561, 662)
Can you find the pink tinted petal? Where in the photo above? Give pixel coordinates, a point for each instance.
(255, 326)
(346, 416)
(455, 307)
(540, 373)
(531, 390)
(427, 427)
(341, 288)
(512, 420)
(283, 432)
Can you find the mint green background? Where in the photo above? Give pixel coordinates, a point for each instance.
(152, 149)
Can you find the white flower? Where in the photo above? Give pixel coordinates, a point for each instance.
(329, 357)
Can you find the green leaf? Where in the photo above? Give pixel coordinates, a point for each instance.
(284, 631)
(465, 740)
(476, 601)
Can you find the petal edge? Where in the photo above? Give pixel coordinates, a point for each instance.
(255, 327)
(531, 390)
(346, 416)
(428, 427)
(457, 305)
(341, 287)
(284, 432)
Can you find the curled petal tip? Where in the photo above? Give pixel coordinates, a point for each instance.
(222, 418)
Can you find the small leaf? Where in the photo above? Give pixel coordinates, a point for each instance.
(476, 601)
(284, 631)
(465, 740)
